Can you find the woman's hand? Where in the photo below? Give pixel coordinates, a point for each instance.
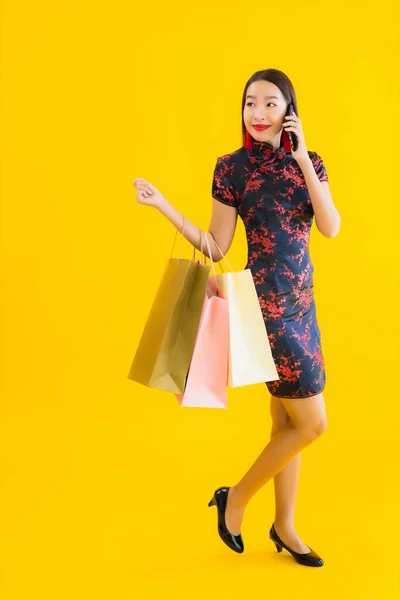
(293, 123)
(147, 194)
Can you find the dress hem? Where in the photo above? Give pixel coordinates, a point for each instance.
(298, 397)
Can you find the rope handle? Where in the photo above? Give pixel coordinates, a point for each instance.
(173, 245)
(212, 263)
(222, 254)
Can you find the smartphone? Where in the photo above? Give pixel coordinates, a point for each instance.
(292, 136)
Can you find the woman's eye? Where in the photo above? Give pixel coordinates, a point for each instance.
(248, 103)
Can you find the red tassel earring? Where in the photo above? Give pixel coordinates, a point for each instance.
(286, 141)
(248, 143)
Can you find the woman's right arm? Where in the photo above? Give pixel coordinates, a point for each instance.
(222, 225)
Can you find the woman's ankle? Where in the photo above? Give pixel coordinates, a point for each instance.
(284, 524)
(235, 499)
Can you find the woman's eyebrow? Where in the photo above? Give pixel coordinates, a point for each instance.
(265, 97)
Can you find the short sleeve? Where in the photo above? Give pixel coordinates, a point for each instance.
(319, 167)
(223, 188)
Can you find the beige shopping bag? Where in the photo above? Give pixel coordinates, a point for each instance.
(250, 356)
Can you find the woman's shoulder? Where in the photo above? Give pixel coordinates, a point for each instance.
(232, 157)
(313, 155)
(318, 165)
(232, 164)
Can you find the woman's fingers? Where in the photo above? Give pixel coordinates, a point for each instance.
(141, 189)
(143, 185)
(142, 196)
(140, 180)
(146, 191)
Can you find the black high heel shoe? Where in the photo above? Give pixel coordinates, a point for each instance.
(310, 559)
(219, 499)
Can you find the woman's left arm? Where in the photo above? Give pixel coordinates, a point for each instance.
(327, 217)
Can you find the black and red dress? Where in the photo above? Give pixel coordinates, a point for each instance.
(268, 189)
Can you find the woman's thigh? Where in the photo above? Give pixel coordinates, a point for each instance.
(279, 414)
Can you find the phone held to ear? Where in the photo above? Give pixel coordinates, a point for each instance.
(292, 136)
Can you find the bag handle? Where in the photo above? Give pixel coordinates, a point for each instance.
(222, 254)
(212, 262)
(202, 253)
(173, 246)
(202, 248)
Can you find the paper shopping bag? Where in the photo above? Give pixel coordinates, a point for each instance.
(250, 356)
(166, 346)
(207, 379)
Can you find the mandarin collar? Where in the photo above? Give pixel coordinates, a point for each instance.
(265, 150)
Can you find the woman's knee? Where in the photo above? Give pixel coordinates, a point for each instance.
(313, 430)
(307, 415)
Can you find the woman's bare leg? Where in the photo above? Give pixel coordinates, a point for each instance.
(287, 480)
(286, 484)
(307, 423)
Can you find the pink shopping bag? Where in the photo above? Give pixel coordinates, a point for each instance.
(206, 384)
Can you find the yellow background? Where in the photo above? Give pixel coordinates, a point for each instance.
(104, 483)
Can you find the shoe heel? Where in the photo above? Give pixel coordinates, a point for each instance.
(212, 502)
(278, 546)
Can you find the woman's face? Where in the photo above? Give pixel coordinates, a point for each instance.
(264, 105)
